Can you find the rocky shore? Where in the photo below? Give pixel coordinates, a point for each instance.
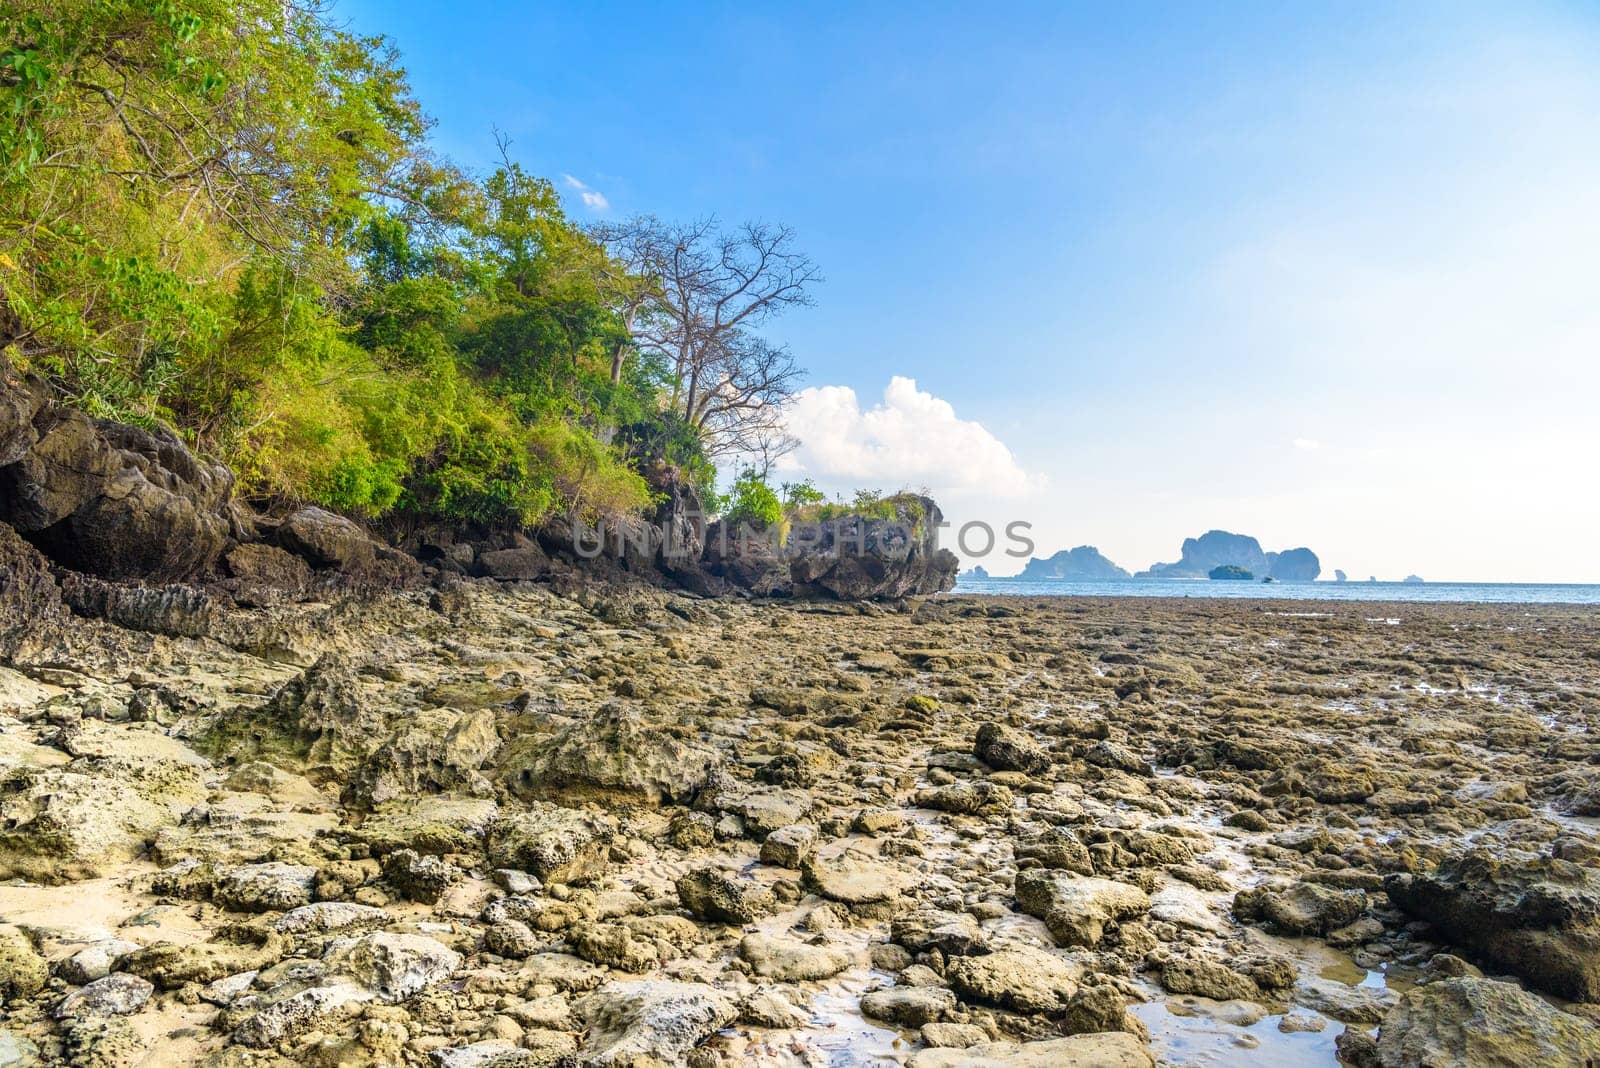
(498, 824)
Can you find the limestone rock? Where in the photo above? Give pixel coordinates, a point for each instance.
(635, 1024)
(1482, 1023)
(613, 756)
(1078, 909)
(1022, 979)
(1535, 915)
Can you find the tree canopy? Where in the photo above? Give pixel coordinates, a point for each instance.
(223, 215)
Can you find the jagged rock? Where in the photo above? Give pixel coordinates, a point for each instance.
(29, 597)
(242, 949)
(613, 756)
(953, 1035)
(911, 1006)
(1485, 1024)
(293, 1014)
(114, 995)
(710, 895)
(322, 719)
(102, 1042)
(179, 611)
(114, 500)
(1056, 847)
(558, 845)
(1535, 915)
(650, 1022)
(1111, 1050)
(265, 574)
(418, 876)
(1304, 908)
(433, 750)
(61, 826)
(328, 917)
(1077, 909)
(1021, 979)
(393, 966)
(270, 887)
(1007, 749)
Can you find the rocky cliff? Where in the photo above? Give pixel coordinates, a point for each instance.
(1220, 548)
(1082, 564)
(121, 522)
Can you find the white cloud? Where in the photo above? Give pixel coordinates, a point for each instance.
(910, 439)
(1307, 444)
(592, 199)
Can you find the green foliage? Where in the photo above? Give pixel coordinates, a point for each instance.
(221, 214)
(801, 494)
(752, 503)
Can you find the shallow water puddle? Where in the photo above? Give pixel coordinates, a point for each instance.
(1201, 1041)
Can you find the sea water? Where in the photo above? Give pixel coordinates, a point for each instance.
(1416, 592)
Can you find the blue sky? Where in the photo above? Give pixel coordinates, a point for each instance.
(1322, 274)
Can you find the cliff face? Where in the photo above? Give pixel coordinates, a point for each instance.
(1214, 548)
(108, 508)
(1220, 548)
(1295, 565)
(1082, 564)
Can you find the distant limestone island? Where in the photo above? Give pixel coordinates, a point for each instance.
(1216, 554)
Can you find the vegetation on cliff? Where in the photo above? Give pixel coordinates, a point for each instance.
(223, 215)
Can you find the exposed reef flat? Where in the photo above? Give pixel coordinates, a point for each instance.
(494, 825)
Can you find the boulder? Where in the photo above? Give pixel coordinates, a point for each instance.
(790, 960)
(557, 845)
(288, 1015)
(113, 500)
(114, 995)
(270, 887)
(613, 756)
(1485, 1024)
(789, 847)
(1301, 909)
(712, 896)
(1077, 909)
(955, 934)
(1021, 979)
(393, 967)
(908, 1006)
(1534, 915)
(634, 1024)
(1008, 749)
(326, 540)
(1208, 978)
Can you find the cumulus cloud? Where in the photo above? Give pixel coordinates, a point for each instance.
(910, 438)
(592, 199)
